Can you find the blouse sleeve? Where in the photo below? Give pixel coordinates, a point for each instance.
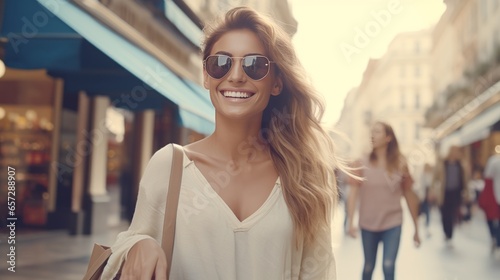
(318, 262)
(147, 221)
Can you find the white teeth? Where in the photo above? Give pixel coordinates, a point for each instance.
(236, 94)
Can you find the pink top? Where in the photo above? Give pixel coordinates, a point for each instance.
(380, 197)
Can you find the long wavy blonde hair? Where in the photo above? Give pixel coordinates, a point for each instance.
(301, 149)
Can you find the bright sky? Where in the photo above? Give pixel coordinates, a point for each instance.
(325, 26)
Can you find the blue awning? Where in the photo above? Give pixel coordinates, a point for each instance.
(203, 93)
(150, 75)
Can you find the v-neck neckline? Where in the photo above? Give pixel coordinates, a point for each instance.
(248, 222)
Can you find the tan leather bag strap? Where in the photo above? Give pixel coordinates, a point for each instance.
(174, 189)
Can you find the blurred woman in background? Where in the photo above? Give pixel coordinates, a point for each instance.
(386, 179)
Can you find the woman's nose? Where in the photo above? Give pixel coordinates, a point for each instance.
(236, 73)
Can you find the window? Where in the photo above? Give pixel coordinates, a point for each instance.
(402, 133)
(403, 100)
(484, 9)
(417, 99)
(497, 37)
(417, 47)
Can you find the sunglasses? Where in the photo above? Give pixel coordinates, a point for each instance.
(255, 66)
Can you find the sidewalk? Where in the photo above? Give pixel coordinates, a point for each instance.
(52, 255)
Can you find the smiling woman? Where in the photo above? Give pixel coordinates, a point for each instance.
(238, 70)
(258, 194)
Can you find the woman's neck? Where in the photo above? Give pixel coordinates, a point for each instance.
(381, 154)
(237, 140)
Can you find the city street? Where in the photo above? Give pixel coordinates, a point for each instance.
(56, 255)
(399, 92)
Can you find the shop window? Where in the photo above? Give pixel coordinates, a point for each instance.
(26, 135)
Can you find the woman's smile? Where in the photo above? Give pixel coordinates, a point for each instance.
(236, 94)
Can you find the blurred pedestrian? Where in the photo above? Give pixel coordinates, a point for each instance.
(257, 194)
(386, 179)
(475, 186)
(451, 180)
(476, 183)
(426, 197)
(492, 181)
(470, 198)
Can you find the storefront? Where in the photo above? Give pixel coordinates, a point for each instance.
(475, 128)
(28, 120)
(70, 157)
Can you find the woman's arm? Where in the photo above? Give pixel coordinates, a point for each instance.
(351, 209)
(144, 228)
(413, 204)
(145, 231)
(318, 262)
(412, 201)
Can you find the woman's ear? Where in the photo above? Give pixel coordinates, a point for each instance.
(278, 86)
(205, 79)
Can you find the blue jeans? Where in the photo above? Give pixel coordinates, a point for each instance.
(390, 239)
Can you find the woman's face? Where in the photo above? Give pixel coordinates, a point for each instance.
(379, 137)
(236, 95)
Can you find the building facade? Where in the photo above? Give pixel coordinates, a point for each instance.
(277, 9)
(395, 89)
(466, 76)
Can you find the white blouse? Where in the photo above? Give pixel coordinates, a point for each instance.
(210, 242)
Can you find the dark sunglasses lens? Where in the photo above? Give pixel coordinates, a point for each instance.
(217, 66)
(256, 67)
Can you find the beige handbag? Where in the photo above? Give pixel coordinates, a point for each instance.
(100, 253)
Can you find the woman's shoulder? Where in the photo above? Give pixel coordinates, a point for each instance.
(163, 154)
(161, 160)
(403, 162)
(403, 165)
(156, 176)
